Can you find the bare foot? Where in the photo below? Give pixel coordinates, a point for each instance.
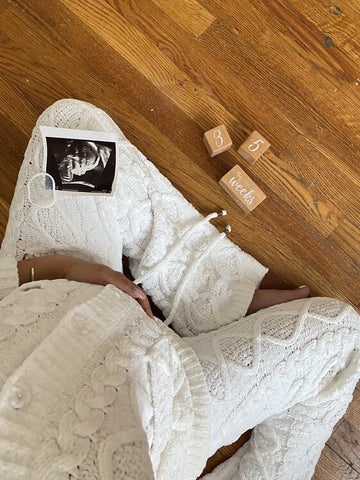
(268, 298)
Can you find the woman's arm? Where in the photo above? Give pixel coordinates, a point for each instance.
(51, 267)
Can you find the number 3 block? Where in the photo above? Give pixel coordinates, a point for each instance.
(217, 140)
(253, 147)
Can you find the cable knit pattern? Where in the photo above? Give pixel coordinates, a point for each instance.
(148, 218)
(155, 218)
(99, 391)
(94, 397)
(9, 278)
(289, 371)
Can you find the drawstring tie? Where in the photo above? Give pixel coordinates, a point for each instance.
(192, 267)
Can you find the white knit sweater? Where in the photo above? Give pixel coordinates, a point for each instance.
(90, 386)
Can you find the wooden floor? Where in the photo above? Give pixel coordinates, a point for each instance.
(166, 71)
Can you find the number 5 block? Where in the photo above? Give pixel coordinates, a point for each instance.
(217, 140)
(253, 147)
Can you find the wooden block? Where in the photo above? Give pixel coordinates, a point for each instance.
(217, 140)
(253, 147)
(242, 189)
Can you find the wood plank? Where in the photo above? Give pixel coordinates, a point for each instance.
(346, 443)
(225, 453)
(317, 276)
(266, 222)
(287, 179)
(210, 117)
(339, 186)
(352, 415)
(97, 63)
(12, 147)
(288, 254)
(306, 68)
(206, 69)
(316, 35)
(189, 14)
(4, 214)
(287, 26)
(332, 467)
(14, 105)
(133, 124)
(3, 6)
(155, 66)
(124, 112)
(347, 237)
(324, 216)
(337, 21)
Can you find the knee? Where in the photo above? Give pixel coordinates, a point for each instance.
(65, 113)
(335, 316)
(330, 308)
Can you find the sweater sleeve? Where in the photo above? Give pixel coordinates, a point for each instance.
(199, 279)
(9, 277)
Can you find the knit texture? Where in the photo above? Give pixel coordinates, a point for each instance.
(97, 390)
(9, 277)
(146, 220)
(289, 371)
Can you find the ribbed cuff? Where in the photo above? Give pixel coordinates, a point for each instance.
(198, 444)
(248, 286)
(9, 276)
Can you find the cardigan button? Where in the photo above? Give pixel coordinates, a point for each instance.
(20, 395)
(81, 325)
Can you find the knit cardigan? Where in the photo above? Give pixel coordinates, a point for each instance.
(91, 388)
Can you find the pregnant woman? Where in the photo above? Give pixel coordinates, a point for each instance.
(92, 386)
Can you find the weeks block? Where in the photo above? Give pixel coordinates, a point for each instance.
(253, 147)
(242, 189)
(217, 140)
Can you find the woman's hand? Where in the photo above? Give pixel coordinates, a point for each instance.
(51, 267)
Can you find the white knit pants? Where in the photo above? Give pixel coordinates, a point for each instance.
(289, 370)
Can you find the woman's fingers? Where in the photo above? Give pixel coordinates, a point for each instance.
(51, 267)
(127, 286)
(145, 304)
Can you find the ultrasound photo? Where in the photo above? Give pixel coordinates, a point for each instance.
(80, 161)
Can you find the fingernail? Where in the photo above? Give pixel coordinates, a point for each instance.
(139, 294)
(303, 286)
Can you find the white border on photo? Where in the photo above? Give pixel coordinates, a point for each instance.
(75, 134)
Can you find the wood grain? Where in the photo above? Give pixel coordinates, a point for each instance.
(345, 439)
(188, 14)
(347, 237)
(168, 71)
(332, 467)
(225, 452)
(283, 38)
(209, 70)
(345, 443)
